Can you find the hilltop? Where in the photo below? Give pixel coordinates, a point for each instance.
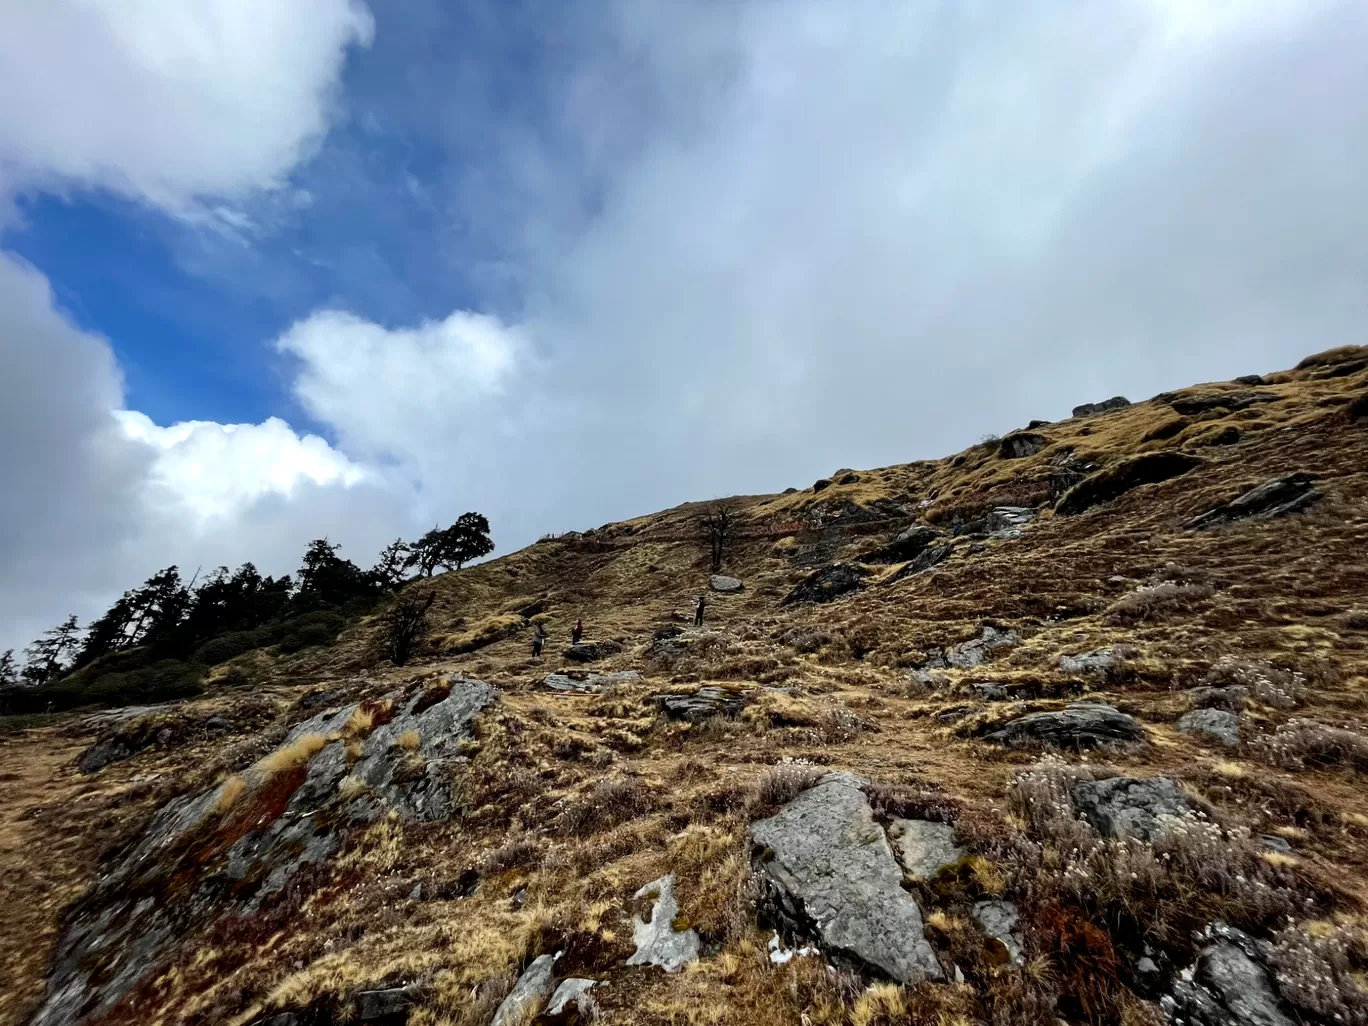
(1068, 726)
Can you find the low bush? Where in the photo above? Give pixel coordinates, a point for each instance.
(1301, 744)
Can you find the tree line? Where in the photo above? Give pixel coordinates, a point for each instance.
(168, 621)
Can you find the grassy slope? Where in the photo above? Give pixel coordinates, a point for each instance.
(581, 800)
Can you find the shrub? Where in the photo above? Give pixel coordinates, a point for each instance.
(1154, 599)
(160, 682)
(1300, 743)
(227, 646)
(1320, 969)
(308, 636)
(404, 626)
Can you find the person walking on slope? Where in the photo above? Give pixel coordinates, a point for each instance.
(577, 633)
(538, 640)
(698, 610)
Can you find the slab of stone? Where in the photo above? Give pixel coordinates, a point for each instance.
(704, 704)
(989, 692)
(827, 873)
(531, 991)
(384, 1007)
(1129, 806)
(578, 682)
(1274, 498)
(1228, 986)
(591, 651)
(726, 585)
(1220, 725)
(571, 996)
(999, 921)
(657, 941)
(924, 848)
(1097, 663)
(1080, 725)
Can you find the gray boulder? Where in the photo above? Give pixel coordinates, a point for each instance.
(1228, 986)
(726, 585)
(827, 584)
(999, 922)
(709, 701)
(1128, 806)
(657, 941)
(384, 1007)
(1275, 498)
(591, 651)
(578, 682)
(529, 994)
(826, 873)
(1116, 402)
(102, 753)
(975, 652)
(1080, 725)
(572, 998)
(1218, 724)
(924, 848)
(1020, 444)
(989, 692)
(1098, 664)
(908, 545)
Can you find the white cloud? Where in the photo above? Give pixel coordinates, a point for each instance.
(169, 102)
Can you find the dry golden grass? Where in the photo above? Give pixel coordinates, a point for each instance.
(299, 752)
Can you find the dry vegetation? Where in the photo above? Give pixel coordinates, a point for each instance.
(570, 803)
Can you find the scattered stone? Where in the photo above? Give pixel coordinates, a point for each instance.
(1116, 402)
(1020, 444)
(780, 955)
(954, 714)
(531, 991)
(924, 848)
(657, 940)
(975, 652)
(933, 680)
(384, 1007)
(999, 922)
(578, 682)
(826, 872)
(1275, 498)
(1115, 481)
(1231, 697)
(101, 754)
(1080, 725)
(1275, 843)
(591, 651)
(572, 997)
(908, 545)
(1008, 521)
(726, 585)
(1249, 379)
(1128, 806)
(1228, 986)
(988, 692)
(709, 701)
(217, 723)
(1098, 664)
(1220, 724)
(827, 584)
(1196, 405)
(821, 484)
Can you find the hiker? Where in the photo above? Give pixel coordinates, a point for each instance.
(577, 633)
(698, 611)
(538, 639)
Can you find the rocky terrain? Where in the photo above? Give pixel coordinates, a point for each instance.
(1068, 727)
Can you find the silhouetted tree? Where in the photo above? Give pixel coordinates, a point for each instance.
(9, 672)
(716, 524)
(390, 570)
(329, 579)
(452, 547)
(48, 655)
(404, 625)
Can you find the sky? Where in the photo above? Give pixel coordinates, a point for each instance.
(272, 270)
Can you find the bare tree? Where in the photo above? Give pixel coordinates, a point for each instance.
(405, 625)
(716, 524)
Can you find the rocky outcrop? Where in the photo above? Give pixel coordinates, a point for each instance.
(703, 704)
(999, 922)
(1008, 521)
(1116, 402)
(1128, 806)
(908, 545)
(233, 848)
(657, 940)
(591, 651)
(529, 994)
(1195, 404)
(827, 584)
(578, 682)
(725, 585)
(1275, 498)
(572, 1001)
(1218, 724)
(1115, 481)
(1081, 725)
(990, 692)
(827, 874)
(1020, 444)
(975, 652)
(1098, 664)
(924, 848)
(1229, 985)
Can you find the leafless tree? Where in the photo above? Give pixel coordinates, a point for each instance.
(716, 525)
(405, 625)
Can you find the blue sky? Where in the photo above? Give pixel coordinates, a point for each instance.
(274, 269)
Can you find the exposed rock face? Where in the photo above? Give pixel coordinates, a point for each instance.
(827, 584)
(232, 848)
(1115, 481)
(529, 993)
(1275, 498)
(1116, 402)
(707, 702)
(1020, 444)
(384, 1007)
(827, 873)
(1193, 405)
(591, 651)
(1098, 664)
(578, 682)
(1228, 986)
(1081, 725)
(572, 998)
(1218, 724)
(924, 848)
(726, 585)
(908, 545)
(657, 940)
(1128, 806)
(990, 692)
(998, 921)
(101, 754)
(1007, 521)
(975, 652)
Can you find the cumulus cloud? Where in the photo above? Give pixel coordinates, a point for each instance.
(169, 103)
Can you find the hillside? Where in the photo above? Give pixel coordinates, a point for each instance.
(1052, 729)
